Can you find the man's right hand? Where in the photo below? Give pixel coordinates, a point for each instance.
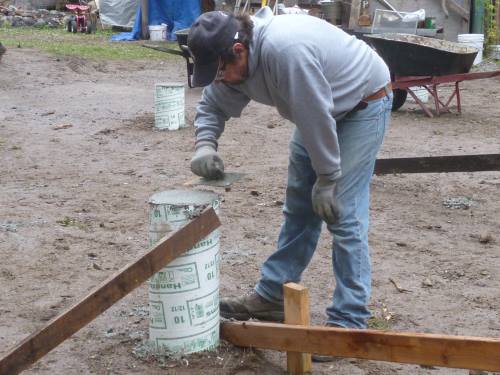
(206, 162)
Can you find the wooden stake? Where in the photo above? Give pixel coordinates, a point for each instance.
(296, 299)
(425, 349)
(35, 346)
(145, 19)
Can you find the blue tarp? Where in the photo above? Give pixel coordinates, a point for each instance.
(177, 14)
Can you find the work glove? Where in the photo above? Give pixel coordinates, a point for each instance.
(323, 200)
(206, 162)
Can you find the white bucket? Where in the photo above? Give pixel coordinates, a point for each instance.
(184, 295)
(169, 106)
(475, 41)
(495, 51)
(157, 33)
(420, 92)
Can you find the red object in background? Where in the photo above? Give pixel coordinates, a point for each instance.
(80, 19)
(402, 85)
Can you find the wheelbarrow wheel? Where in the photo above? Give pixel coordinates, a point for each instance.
(399, 99)
(69, 25)
(91, 26)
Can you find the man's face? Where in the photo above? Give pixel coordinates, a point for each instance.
(235, 72)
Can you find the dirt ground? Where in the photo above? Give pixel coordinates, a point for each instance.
(80, 158)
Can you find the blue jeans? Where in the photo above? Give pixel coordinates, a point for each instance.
(360, 136)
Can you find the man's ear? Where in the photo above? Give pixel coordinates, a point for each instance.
(239, 48)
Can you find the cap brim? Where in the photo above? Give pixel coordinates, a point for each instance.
(204, 74)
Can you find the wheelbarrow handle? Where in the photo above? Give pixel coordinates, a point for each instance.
(184, 53)
(190, 66)
(185, 49)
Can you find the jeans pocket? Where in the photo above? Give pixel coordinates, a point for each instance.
(384, 120)
(388, 101)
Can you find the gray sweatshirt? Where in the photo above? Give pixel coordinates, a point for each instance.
(311, 71)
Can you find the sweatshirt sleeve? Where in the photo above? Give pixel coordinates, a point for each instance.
(218, 104)
(299, 79)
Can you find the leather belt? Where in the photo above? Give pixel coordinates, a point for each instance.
(384, 91)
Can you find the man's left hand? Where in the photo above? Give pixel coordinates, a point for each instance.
(323, 200)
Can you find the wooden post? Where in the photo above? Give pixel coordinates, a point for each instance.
(296, 300)
(144, 19)
(35, 346)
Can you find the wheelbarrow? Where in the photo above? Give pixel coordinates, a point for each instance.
(419, 61)
(182, 37)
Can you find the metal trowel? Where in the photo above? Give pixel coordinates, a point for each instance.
(226, 181)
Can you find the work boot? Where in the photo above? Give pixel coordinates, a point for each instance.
(251, 306)
(325, 357)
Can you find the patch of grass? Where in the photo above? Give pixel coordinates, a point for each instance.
(378, 323)
(71, 222)
(93, 46)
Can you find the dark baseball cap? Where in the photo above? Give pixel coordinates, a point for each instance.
(209, 36)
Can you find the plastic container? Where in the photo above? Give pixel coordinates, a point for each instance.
(475, 41)
(184, 295)
(157, 33)
(388, 21)
(430, 22)
(169, 106)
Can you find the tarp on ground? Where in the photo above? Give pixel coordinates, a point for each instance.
(118, 12)
(177, 14)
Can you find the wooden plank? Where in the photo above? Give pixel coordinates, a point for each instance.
(296, 304)
(439, 164)
(107, 294)
(419, 348)
(144, 19)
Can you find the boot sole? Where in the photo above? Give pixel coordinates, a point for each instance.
(324, 358)
(276, 316)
